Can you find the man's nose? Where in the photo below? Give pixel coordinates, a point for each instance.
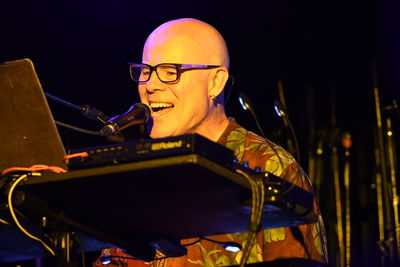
(154, 83)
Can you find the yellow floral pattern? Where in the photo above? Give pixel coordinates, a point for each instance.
(275, 234)
(236, 142)
(256, 251)
(278, 157)
(317, 239)
(208, 260)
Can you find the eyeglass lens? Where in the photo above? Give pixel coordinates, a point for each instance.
(165, 72)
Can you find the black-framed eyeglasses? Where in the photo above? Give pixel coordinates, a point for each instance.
(166, 72)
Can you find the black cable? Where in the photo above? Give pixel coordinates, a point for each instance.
(258, 124)
(221, 243)
(282, 112)
(296, 144)
(224, 244)
(298, 235)
(33, 226)
(109, 257)
(246, 104)
(77, 128)
(195, 242)
(13, 211)
(230, 89)
(78, 241)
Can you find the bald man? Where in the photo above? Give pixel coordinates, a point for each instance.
(194, 102)
(182, 76)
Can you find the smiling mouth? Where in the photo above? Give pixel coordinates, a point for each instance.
(160, 107)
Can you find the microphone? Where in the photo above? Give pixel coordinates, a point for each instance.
(280, 109)
(138, 113)
(282, 112)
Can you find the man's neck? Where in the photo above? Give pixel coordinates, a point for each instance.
(213, 128)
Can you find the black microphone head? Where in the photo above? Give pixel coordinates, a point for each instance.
(145, 109)
(138, 113)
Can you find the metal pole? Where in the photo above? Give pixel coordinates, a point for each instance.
(395, 198)
(346, 142)
(384, 212)
(338, 202)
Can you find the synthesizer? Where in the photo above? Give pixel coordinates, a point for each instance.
(146, 149)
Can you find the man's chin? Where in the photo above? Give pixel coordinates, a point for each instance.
(161, 130)
(156, 136)
(160, 133)
(156, 130)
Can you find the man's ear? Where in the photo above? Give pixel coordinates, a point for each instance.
(217, 81)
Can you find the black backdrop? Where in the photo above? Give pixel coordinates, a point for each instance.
(323, 52)
(81, 50)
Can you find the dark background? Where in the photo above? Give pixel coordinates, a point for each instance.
(325, 53)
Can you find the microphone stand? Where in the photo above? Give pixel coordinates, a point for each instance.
(338, 199)
(317, 165)
(292, 143)
(392, 169)
(333, 141)
(347, 143)
(137, 114)
(385, 242)
(86, 110)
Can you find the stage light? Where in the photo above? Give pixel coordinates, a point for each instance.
(231, 246)
(106, 259)
(241, 103)
(279, 109)
(244, 101)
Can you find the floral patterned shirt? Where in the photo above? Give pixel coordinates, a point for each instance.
(271, 243)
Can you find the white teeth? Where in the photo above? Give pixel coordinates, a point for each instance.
(160, 105)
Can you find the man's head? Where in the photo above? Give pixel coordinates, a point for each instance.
(187, 105)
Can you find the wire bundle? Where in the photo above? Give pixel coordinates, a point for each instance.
(17, 178)
(14, 184)
(257, 190)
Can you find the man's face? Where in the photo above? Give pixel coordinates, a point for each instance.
(181, 107)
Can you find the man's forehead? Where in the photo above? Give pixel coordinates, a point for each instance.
(170, 40)
(173, 47)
